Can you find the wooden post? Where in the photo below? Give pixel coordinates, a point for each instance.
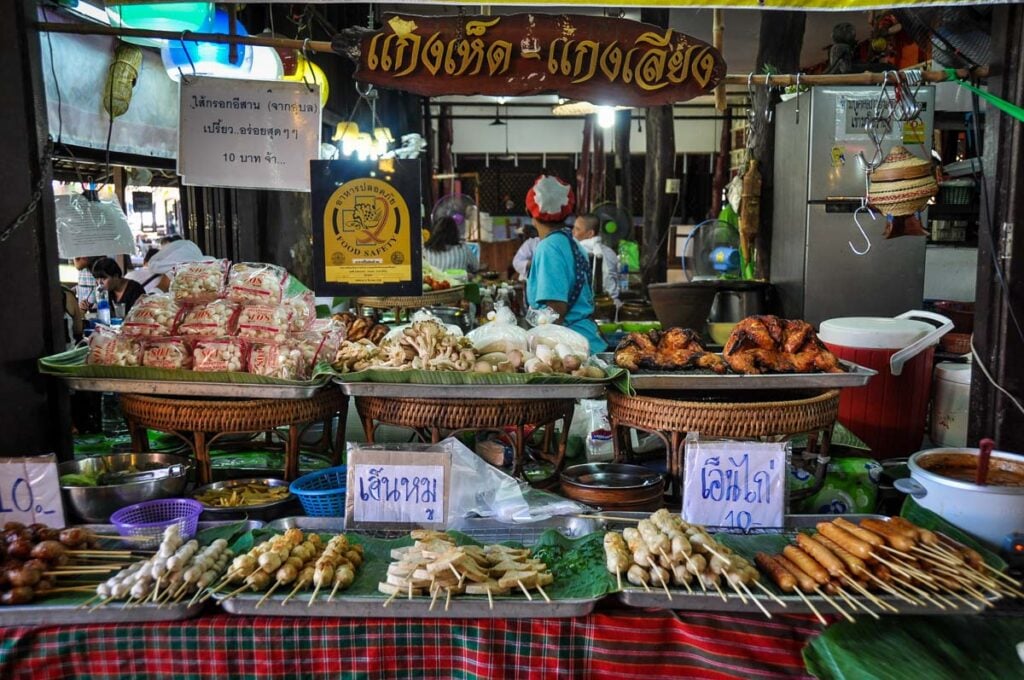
(781, 39)
(623, 166)
(721, 177)
(660, 161)
(997, 337)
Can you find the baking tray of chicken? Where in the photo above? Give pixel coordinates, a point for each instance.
(762, 353)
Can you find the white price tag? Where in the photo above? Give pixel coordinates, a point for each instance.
(30, 491)
(253, 134)
(741, 485)
(397, 488)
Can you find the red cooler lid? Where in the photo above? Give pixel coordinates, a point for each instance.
(869, 332)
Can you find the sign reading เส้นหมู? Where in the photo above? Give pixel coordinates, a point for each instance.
(366, 235)
(597, 59)
(390, 489)
(735, 484)
(247, 134)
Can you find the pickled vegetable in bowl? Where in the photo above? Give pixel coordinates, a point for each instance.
(241, 493)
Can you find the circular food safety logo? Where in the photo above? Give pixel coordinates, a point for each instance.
(337, 259)
(366, 216)
(397, 258)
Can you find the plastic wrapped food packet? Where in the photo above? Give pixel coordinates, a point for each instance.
(107, 347)
(266, 323)
(173, 353)
(256, 283)
(303, 311)
(152, 315)
(211, 319)
(194, 282)
(278, 361)
(328, 326)
(220, 354)
(316, 347)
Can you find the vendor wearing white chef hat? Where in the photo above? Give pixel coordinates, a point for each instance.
(560, 270)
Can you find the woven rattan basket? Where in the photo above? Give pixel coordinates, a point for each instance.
(454, 414)
(725, 419)
(434, 298)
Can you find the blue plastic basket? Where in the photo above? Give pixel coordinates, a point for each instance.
(322, 493)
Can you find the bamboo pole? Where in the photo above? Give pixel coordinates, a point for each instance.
(323, 46)
(718, 39)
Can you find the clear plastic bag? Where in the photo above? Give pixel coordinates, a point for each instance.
(212, 319)
(274, 360)
(195, 282)
(152, 315)
(171, 353)
(303, 311)
(558, 338)
(266, 323)
(316, 347)
(501, 334)
(256, 283)
(107, 347)
(220, 354)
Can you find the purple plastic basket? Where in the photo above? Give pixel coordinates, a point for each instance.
(150, 518)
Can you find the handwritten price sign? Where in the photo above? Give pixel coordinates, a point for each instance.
(397, 488)
(30, 491)
(740, 485)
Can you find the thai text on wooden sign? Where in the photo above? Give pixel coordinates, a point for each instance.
(597, 59)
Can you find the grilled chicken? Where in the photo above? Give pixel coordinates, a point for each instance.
(768, 344)
(673, 350)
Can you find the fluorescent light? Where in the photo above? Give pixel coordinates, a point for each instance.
(90, 12)
(606, 116)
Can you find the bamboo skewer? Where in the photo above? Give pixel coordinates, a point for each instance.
(743, 598)
(719, 589)
(540, 589)
(89, 601)
(312, 598)
(448, 599)
(525, 591)
(618, 580)
(433, 597)
(871, 596)
(391, 598)
(101, 604)
(845, 614)
(298, 586)
(73, 589)
(334, 590)
(755, 600)
(769, 593)
(270, 591)
(855, 604)
(810, 605)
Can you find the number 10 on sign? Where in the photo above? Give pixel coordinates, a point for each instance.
(739, 485)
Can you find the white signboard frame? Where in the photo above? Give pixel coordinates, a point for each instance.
(389, 489)
(247, 134)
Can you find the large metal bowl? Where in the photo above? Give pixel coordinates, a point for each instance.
(260, 511)
(614, 485)
(96, 503)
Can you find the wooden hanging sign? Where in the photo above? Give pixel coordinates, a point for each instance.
(596, 59)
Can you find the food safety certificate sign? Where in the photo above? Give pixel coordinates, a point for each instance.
(366, 227)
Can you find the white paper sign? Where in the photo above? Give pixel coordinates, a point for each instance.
(254, 134)
(389, 488)
(741, 485)
(30, 491)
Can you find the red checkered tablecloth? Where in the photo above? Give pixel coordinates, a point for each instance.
(613, 644)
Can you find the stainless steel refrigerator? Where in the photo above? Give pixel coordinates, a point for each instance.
(819, 181)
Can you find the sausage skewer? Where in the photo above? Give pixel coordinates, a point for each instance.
(816, 572)
(786, 579)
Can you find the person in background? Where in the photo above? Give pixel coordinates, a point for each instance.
(172, 238)
(584, 230)
(144, 275)
(524, 256)
(122, 291)
(175, 252)
(445, 250)
(560, 271)
(85, 291)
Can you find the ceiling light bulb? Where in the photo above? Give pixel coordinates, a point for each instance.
(605, 116)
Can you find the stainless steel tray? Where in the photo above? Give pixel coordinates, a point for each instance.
(182, 388)
(111, 530)
(461, 607)
(42, 614)
(417, 391)
(856, 376)
(617, 520)
(480, 528)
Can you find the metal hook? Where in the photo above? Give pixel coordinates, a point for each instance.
(867, 240)
(305, 56)
(798, 98)
(768, 113)
(188, 56)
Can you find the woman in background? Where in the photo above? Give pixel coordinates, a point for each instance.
(445, 249)
(122, 291)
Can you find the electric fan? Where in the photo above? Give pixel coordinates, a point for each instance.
(613, 225)
(460, 208)
(715, 254)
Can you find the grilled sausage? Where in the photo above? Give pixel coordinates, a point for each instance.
(845, 540)
(859, 533)
(891, 535)
(781, 576)
(807, 563)
(805, 582)
(821, 555)
(908, 529)
(855, 564)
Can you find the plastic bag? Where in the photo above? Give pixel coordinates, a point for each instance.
(213, 319)
(107, 347)
(501, 334)
(558, 338)
(421, 315)
(316, 347)
(195, 282)
(220, 354)
(152, 315)
(541, 316)
(303, 311)
(257, 283)
(278, 361)
(599, 444)
(268, 323)
(173, 353)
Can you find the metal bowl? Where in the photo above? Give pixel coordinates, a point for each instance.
(614, 485)
(260, 511)
(160, 475)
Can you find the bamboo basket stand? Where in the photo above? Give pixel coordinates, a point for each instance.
(201, 422)
(428, 418)
(399, 304)
(671, 420)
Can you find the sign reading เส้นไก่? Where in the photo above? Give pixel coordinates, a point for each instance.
(389, 489)
(248, 134)
(735, 484)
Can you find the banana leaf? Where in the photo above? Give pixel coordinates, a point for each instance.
(924, 517)
(72, 364)
(932, 647)
(422, 377)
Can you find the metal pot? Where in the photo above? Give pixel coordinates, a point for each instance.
(148, 476)
(989, 512)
